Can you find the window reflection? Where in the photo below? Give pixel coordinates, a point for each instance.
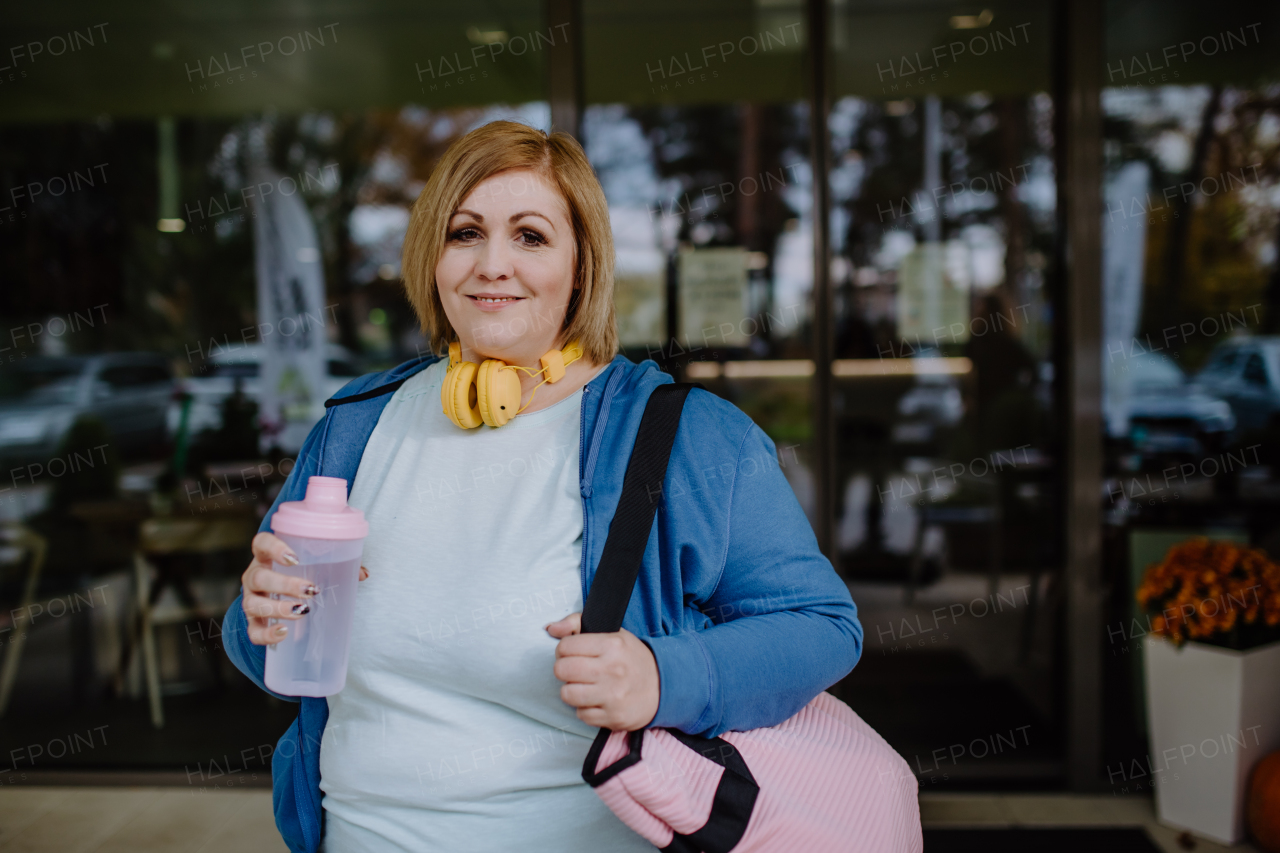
(1189, 362)
(943, 227)
(709, 206)
(712, 218)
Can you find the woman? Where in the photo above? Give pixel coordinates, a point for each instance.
(471, 697)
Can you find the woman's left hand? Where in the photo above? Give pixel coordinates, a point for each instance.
(612, 679)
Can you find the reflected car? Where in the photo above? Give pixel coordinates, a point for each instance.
(1170, 417)
(243, 365)
(934, 401)
(934, 398)
(1246, 373)
(42, 397)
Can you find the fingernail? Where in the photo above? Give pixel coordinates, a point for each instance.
(290, 558)
(281, 630)
(311, 590)
(300, 609)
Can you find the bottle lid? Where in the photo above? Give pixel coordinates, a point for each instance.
(322, 514)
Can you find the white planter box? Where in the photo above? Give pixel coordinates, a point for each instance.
(1212, 714)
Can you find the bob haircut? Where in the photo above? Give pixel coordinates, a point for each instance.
(501, 146)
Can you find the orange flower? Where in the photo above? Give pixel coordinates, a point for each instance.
(1213, 591)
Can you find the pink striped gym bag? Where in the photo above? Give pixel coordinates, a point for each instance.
(819, 782)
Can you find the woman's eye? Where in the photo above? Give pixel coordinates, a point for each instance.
(464, 234)
(532, 238)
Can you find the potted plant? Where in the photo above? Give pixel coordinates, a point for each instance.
(1213, 680)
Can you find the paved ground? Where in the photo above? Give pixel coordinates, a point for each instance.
(40, 819)
(938, 811)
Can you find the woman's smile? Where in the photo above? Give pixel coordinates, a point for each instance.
(493, 301)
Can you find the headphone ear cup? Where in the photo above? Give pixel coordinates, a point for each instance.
(497, 392)
(458, 395)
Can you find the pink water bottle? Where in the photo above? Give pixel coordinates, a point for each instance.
(328, 536)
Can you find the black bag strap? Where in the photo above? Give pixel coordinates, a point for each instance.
(615, 577)
(606, 605)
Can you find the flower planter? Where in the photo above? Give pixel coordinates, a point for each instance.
(1212, 714)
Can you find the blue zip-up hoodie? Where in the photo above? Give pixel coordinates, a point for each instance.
(745, 617)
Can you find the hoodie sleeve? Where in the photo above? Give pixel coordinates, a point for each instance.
(785, 626)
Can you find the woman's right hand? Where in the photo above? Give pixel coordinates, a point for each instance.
(259, 582)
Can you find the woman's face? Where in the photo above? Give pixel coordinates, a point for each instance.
(507, 269)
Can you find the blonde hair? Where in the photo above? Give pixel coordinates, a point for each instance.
(501, 146)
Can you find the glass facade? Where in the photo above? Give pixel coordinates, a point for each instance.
(889, 172)
(943, 230)
(1191, 310)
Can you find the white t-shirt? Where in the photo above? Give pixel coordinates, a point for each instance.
(450, 735)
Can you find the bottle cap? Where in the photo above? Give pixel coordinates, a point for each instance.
(322, 514)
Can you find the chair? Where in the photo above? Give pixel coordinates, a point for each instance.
(20, 540)
(162, 538)
(956, 515)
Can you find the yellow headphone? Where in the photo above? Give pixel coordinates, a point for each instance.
(490, 392)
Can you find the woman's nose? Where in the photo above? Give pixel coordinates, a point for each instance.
(494, 262)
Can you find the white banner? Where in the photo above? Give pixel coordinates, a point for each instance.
(291, 325)
(1124, 240)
